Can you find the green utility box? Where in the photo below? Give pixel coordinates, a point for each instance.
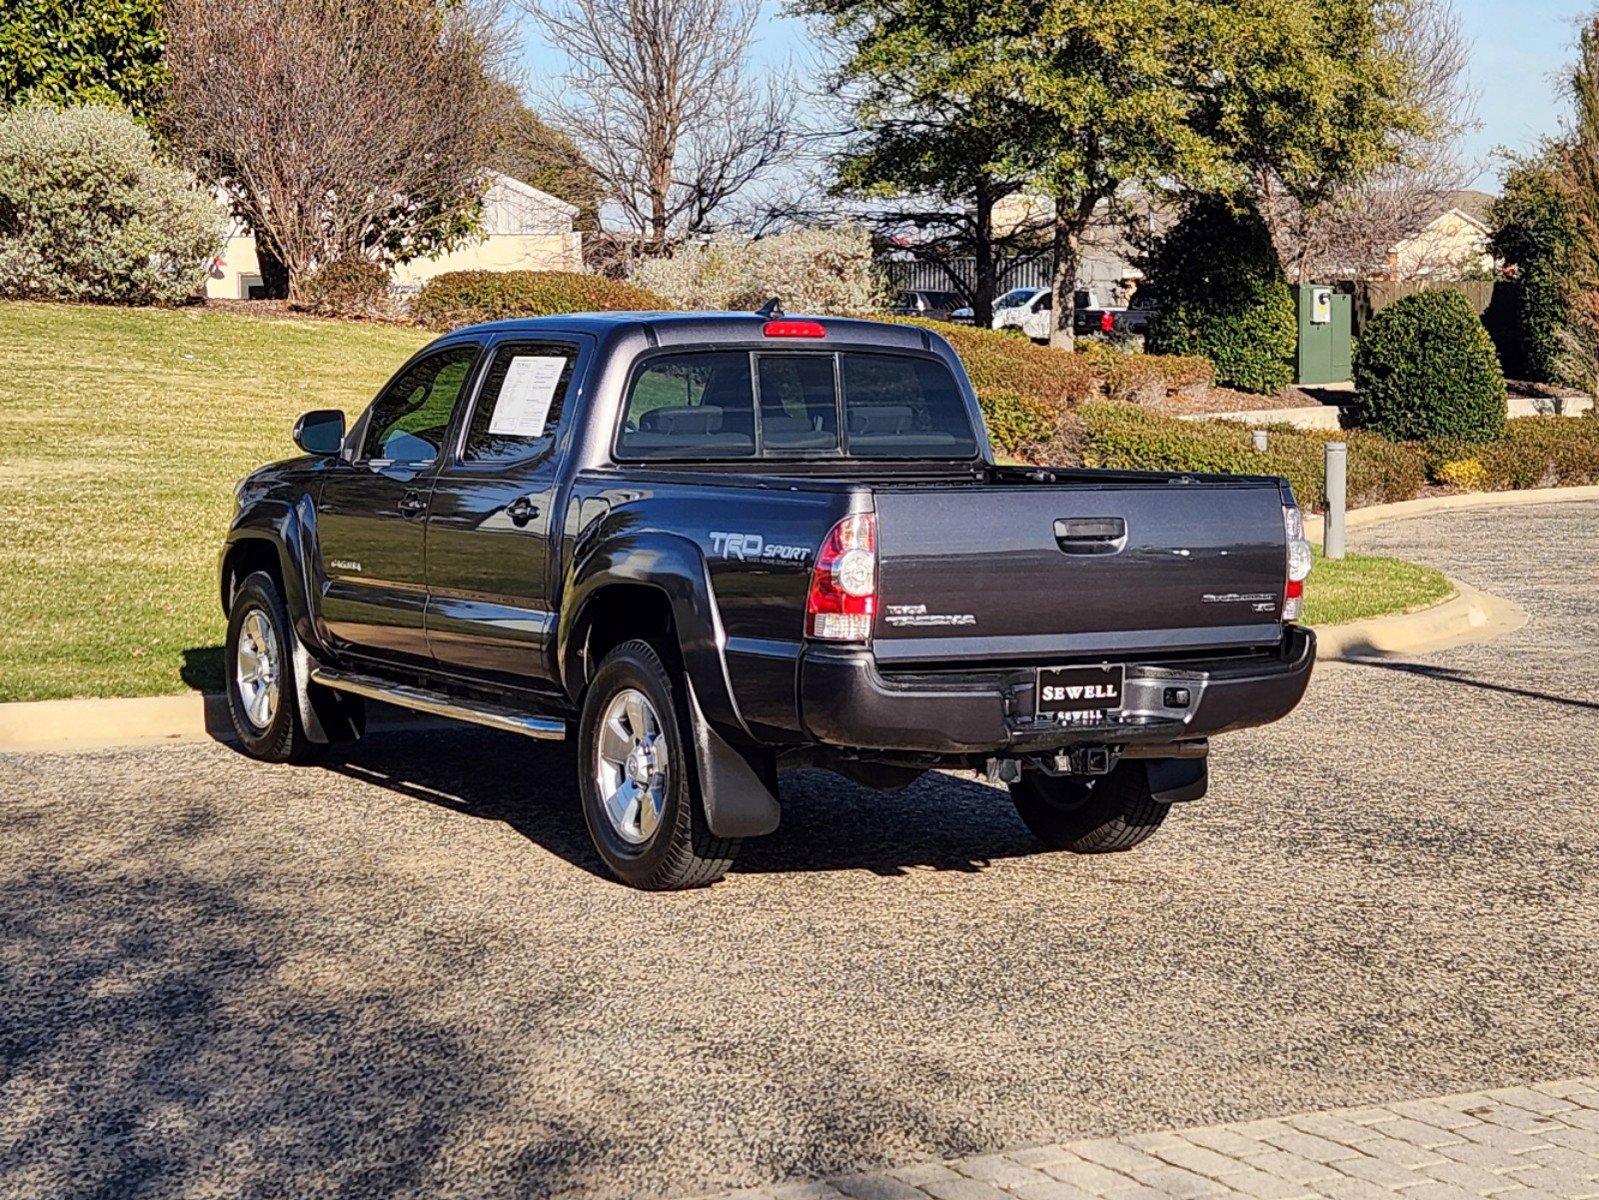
(1325, 334)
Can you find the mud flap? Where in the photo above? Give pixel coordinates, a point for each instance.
(1173, 780)
(328, 716)
(740, 796)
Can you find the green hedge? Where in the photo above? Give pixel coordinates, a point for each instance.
(1534, 452)
(1146, 378)
(1005, 362)
(1131, 438)
(1426, 369)
(1002, 363)
(1220, 294)
(466, 297)
(1023, 427)
(1536, 230)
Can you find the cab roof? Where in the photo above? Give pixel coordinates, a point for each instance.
(683, 328)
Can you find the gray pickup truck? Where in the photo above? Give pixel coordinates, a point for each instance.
(713, 547)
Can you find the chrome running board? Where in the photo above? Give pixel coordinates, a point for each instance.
(440, 705)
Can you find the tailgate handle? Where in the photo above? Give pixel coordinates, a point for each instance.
(1090, 535)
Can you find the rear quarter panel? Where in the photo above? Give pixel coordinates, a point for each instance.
(754, 540)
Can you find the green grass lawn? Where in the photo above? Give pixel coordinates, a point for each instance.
(1361, 586)
(123, 434)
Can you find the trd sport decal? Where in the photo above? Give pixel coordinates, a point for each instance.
(751, 547)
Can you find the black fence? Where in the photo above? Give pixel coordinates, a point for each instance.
(902, 276)
(1093, 272)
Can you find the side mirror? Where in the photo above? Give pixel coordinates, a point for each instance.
(320, 431)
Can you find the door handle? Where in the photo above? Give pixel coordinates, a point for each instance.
(522, 510)
(1091, 535)
(412, 503)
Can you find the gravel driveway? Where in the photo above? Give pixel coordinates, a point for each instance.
(404, 975)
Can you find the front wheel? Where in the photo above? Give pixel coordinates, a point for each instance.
(637, 778)
(263, 699)
(1096, 815)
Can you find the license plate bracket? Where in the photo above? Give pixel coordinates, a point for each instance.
(1080, 693)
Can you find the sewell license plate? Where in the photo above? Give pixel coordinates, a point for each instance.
(1080, 693)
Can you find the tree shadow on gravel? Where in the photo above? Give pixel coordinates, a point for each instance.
(1449, 675)
(163, 1034)
(940, 823)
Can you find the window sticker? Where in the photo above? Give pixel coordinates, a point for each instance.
(523, 406)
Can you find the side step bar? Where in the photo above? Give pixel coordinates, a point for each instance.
(441, 705)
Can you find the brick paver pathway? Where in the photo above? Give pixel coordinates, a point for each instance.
(1523, 1143)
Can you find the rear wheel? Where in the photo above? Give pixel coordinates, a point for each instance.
(263, 699)
(1098, 815)
(636, 775)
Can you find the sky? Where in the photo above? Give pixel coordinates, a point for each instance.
(1518, 49)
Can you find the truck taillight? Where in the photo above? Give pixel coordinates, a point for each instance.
(1107, 322)
(1298, 563)
(843, 595)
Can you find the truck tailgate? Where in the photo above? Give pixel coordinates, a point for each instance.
(1050, 571)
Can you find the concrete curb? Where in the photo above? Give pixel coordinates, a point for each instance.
(1329, 416)
(1310, 416)
(1468, 616)
(46, 726)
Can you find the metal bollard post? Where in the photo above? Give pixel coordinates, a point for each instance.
(1260, 440)
(1332, 543)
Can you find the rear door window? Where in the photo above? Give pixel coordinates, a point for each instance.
(691, 406)
(519, 405)
(901, 407)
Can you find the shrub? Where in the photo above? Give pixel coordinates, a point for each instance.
(1535, 229)
(88, 212)
(1219, 293)
(1425, 369)
(811, 270)
(1021, 426)
(1467, 474)
(1147, 378)
(1542, 452)
(352, 286)
(466, 297)
(1131, 438)
(1000, 363)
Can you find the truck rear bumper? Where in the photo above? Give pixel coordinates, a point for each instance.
(846, 701)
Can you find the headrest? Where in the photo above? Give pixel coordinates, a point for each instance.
(878, 420)
(684, 421)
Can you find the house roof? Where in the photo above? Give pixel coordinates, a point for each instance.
(528, 192)
(1468, 202)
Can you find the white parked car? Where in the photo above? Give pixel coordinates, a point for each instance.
(1011, 309)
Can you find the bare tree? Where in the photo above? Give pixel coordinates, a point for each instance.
(337, 128)
(660, 99)
(1348, 228)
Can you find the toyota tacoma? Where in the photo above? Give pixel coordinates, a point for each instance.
(714, 547)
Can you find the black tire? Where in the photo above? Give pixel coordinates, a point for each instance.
(1090, 816)
(681, 852)
(282, 737)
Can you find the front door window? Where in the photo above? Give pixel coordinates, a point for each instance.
(409, 419)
